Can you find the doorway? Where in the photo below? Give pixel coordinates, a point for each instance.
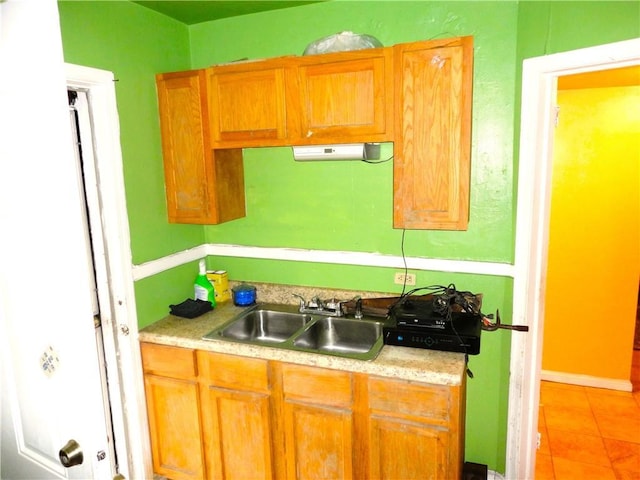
(588, 415)
(119, 321)
(539, 84)
(592, 266)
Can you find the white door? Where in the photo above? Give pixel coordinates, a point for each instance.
(50, 375)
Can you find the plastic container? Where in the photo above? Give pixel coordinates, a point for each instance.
(203, 288)
(244, 295)
(342, 42)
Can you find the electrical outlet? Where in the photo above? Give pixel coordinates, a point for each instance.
(399, 279)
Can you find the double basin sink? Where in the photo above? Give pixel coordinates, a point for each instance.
(283, 326)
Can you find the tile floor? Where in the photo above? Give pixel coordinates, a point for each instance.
(589, 433)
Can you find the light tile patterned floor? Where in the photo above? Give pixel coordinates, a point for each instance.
(589, 433)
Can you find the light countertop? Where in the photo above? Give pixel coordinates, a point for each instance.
(414, 364)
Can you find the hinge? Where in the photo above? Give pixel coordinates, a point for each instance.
(557, 115)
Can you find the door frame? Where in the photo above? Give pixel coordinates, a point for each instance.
(537, 124)
(119, 322)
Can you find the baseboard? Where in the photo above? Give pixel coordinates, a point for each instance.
(586, 380)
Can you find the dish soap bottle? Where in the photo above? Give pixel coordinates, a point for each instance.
(203, 287)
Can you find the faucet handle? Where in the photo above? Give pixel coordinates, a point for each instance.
(315, 302)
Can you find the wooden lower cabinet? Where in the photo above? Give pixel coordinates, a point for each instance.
(236, 414)
(416, 431)
(173, 410)
(318, 420)
(263, 419)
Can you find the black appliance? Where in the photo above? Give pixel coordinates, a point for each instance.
(419, 323)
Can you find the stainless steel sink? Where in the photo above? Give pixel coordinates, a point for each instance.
(262, 324)
(283, 326)
(339, 335)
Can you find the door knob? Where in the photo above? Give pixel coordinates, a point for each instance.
(71, 454)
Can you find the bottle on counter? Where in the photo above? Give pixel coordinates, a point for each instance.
(203, 288)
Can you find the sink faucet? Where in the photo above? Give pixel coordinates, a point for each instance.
(331, 307)
(317, 306)
(303, 302)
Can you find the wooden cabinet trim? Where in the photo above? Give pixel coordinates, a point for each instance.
(163, 360)
(234, 372)
(401, 398)
(317, 385)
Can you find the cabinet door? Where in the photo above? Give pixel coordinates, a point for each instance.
(185, 143)
(318, 423)
(407, 450)
(433, 142)
(202, 186)
(416, 431)
(173, 410)
(346, 97)
(237, 419)
(247, 104)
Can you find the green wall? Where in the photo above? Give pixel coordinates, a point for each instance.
(135, 43)
(339, 205)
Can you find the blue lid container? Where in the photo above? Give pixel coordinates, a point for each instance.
(244, 295)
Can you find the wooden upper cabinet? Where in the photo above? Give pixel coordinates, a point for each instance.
(346, 97)
(417, 95)
(333, 98)
(202, 186)
(248, 103)
(433, 83)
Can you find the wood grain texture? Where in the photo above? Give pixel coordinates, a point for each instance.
(173, 410)
(347, 97)
(433, 83)
(417, 95)
(318, 422)
(416, 430)
(202, 186)
(236, 415)
(247, 103)
(225, 416)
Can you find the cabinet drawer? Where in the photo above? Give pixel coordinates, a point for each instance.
(238, 373)
(317, 385)
(168, 361)
(400, 398)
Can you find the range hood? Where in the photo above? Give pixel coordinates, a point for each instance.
(348, 151)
